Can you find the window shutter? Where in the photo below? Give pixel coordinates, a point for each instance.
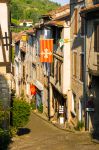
(74, 63)
(24, 72)
(96, 37)
(60, 64)
(81, 67)
(97, 62)
(75, 20)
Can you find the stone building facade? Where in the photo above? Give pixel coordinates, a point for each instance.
(91, 14)
(77, 61)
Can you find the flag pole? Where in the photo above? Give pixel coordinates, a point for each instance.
(49, 71)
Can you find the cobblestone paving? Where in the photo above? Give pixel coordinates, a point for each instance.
(44, 136)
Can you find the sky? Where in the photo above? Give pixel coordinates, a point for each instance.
(62, 2)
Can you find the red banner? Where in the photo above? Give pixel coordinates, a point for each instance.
(32, 89)
(46, 50)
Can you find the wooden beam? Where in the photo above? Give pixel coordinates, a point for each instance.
(2, 43)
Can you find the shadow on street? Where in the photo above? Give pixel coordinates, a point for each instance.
(23, 131)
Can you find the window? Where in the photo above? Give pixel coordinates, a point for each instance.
(52, 68)
(96, 37)
(56, 34)
(82, 25)
(75, 20)
(73, 103)
(74, 63)
(82, 67)
(24, 72)
(98, 62)
(58, 72)
(60, 64)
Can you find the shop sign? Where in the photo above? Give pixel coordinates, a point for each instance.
(24, 38)
(61, 109)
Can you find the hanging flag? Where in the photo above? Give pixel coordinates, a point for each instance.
(32, 89)
(46, 50)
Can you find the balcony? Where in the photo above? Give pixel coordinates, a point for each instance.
(91, 2)
(91, 9)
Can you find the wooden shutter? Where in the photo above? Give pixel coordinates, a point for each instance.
(74, 64)
(56, 71)
(24, 72)
(75, 20)
(81, 67)
(60, 64)
(52, 68)
(96, 37)
(98, 62)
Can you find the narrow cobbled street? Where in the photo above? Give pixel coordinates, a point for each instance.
(44, 136)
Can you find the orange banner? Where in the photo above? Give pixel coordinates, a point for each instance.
(46, 50)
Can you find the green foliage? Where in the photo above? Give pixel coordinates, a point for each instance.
(4, 113)
(80, 125)
(15, 21)
(4, 134)
(21, 112)
(31, 9)
(33, 106)
(40, 108)
(13, 131)
(4, 139)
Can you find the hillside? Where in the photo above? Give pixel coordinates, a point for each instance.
(31, 9)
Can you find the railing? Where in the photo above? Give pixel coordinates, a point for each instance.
(96, 2)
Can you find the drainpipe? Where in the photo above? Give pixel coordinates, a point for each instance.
(85, 74)
(85, 78)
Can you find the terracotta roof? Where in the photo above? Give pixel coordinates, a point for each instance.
(4, 1)
(58, 10)
(30, 31)
(90, 8)
(29, 20)
(59, 13)
(62, 16)
(55, 23)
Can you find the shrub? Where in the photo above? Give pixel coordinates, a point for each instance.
(33, 106)
(20, 113)
(4, 138)
(80, 125)
(13, 131)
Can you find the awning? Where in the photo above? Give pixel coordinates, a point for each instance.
(90, 8)
(38, 85)
(90, 12)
